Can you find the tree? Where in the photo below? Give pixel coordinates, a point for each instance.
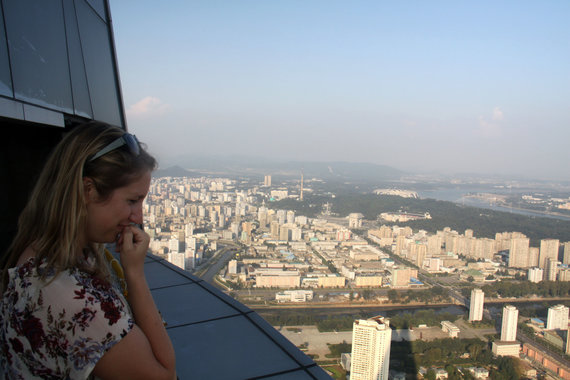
(367, 294)
(393, 295)
(430, 375)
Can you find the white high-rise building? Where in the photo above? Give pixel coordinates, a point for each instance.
(557, 318)
(174, 245)
(370, 356)
(476, 305)
(189, 253)
(551, 269)
(519, 252)
(548, 249)
(188, 230)
(177, 259)
(535, 274)
(509, 325)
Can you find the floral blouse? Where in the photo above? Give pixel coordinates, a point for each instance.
(58, 328)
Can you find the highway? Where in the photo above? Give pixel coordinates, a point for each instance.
(544, 349)
(220, 260)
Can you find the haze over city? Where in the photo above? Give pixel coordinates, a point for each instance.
(442, 86)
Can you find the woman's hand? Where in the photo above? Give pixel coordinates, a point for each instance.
(133, 246)
(146, 352)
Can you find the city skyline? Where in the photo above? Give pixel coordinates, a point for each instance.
(430, 87)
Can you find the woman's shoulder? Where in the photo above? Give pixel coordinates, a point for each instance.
(28, 254)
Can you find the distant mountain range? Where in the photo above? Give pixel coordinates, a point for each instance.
(235, 166)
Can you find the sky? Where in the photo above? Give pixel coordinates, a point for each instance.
(424, 86)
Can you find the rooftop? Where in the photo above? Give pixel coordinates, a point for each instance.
(215, 336)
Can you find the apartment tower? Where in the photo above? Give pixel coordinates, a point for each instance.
(370, 357)
(519, 252)
(557, 318)
(509, 324)
(476, 305)
(548, 249)
(535, 274)
(551, 269)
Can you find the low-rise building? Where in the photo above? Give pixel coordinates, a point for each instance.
(294, 296)
(450, 328)
(331, 281)
(362, 281)
(500, 348)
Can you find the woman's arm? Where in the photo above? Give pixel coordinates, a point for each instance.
(146, 351)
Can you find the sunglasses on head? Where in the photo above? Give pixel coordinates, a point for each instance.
(127, 139)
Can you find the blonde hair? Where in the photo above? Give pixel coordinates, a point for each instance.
(55, 215)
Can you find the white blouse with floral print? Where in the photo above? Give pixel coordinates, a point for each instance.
(58, 328)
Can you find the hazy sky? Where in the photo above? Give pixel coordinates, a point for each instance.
(448, 86)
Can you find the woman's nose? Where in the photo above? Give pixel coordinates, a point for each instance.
(136, 215)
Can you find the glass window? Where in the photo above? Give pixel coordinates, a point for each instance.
(98, 58)
(81, 99)
(38, 53)
(99, 7)
(5, 80)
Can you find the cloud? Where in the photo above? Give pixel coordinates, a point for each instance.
(497, 114)
(491, 129)
(148, 106)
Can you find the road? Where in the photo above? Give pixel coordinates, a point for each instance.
(222, 257)
(544, 349)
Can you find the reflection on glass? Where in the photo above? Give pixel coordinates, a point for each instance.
(5, 81)
(99, 7)
(98, 58)
(81, 99)
(38, 53)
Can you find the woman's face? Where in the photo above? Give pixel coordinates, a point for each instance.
(107, 218)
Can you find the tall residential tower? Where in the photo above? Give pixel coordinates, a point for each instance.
(370, 357)
(476, 305)
(509, 324)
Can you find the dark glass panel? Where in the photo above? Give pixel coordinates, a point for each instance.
(38, 53)
(81, 99)
(5, 80)
(99, 6)
(99, 67)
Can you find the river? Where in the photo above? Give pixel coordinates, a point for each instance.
(457, 195)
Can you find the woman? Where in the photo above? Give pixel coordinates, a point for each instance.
(60, 314)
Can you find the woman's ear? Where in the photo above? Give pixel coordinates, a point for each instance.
(89, 190)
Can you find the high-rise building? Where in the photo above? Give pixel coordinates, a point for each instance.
(370, 356)
(548, 248)
(434, 244)
(519, 252)
(509, 324)
(551, 269)
(535, 274)
(290, 216)
(401, 277)
(476, 305)
(533, 256)
(267, 180)
(232, 267)
(557, 318)
(355, 220)
(566, 253)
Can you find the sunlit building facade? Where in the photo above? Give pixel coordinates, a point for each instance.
(557, 318)
(370, 356)
(535, 274)
(476, 305)
(509, 324)
(548, 249)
